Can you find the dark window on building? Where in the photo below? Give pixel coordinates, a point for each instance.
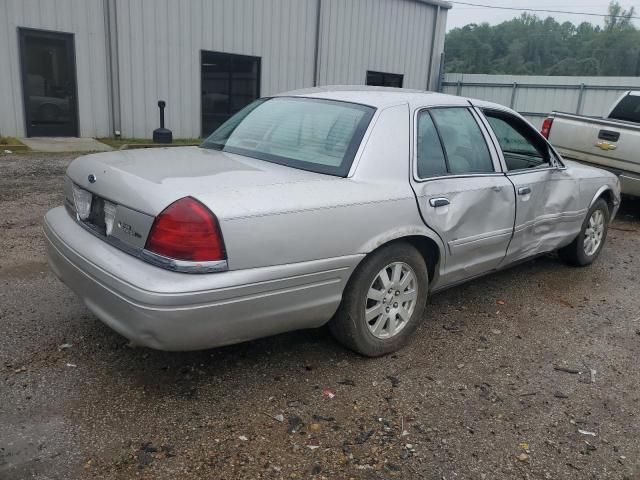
(379, 79)
(228, 84)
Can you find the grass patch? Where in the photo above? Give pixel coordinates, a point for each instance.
(116, 143)
(9, 141)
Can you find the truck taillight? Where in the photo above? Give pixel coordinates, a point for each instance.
(546, 127)
(187, 230)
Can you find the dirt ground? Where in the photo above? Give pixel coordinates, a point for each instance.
(479, 394)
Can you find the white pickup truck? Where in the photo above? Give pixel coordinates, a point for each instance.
(612, 142)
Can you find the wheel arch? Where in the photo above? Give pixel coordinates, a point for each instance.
(425, 241)
(606, 193)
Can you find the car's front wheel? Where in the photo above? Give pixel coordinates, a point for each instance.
(383, 302)
(589, 242)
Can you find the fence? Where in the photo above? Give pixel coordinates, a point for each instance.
(536, 96)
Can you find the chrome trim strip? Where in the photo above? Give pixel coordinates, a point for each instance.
(183, 265)
(523, 171)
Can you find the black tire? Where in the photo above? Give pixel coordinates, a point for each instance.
(574, 253)
(349, 325)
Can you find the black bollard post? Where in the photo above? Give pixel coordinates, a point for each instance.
(162, 135)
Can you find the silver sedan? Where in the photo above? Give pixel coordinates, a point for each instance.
(346, 205)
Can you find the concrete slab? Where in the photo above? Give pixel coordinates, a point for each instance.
(65, 144)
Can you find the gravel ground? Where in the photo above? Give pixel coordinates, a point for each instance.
(478, 394)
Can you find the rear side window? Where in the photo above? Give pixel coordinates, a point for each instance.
(464, 144)
(450, 142)
(628, 109)
(431, 161)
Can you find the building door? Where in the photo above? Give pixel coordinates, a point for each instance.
(228, 83)
(49, 83)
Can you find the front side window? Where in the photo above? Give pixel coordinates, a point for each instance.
(521, 146)
(451, 142)
(311, 134)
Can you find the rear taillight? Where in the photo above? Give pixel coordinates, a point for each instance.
(546, 127)
(187, 230)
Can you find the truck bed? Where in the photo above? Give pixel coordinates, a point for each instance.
(610, 144)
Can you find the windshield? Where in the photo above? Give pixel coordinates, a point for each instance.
(311, 134)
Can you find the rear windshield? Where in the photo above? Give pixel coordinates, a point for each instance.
(628, 109)
(311, 134)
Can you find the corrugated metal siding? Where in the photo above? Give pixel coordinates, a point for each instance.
(159, 43)
(380, 35)
(83, 18)
(562, 94)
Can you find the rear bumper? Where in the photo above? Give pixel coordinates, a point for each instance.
(166, 310)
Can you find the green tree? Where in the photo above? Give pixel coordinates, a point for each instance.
(618, 18)
(530, 45)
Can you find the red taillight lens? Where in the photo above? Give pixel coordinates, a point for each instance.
(546, 127)
(187, 230)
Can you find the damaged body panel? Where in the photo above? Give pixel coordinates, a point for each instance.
(268, 226)
(476, 242)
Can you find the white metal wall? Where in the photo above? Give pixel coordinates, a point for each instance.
(159, 44)
(83, 18)
(561, 95)
(380, 35)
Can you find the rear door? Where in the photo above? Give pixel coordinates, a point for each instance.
(462, 193)
(547, 196)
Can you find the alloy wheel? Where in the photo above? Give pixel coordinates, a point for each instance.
(593, 233)
(391, 300)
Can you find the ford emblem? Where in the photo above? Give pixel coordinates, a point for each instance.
(92, 178)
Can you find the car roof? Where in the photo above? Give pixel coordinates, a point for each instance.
(382, 97)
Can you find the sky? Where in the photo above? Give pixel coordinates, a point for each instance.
(461, 15)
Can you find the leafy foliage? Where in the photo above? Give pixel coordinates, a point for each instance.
(530, 45)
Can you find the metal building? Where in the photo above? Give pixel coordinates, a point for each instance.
(93, 68)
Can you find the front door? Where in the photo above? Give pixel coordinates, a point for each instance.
(546, 195)
(461, 192)
(49, 83)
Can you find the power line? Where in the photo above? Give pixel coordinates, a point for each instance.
(541, 10)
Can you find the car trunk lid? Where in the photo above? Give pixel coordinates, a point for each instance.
(148, 180)
(118, 195)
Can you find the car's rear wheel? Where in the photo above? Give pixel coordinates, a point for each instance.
(383, 302)
(589, 242)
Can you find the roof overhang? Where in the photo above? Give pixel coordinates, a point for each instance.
(436, 3)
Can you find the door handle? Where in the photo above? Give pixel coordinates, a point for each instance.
(524, 190)
(609, 135)
(439, 202)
